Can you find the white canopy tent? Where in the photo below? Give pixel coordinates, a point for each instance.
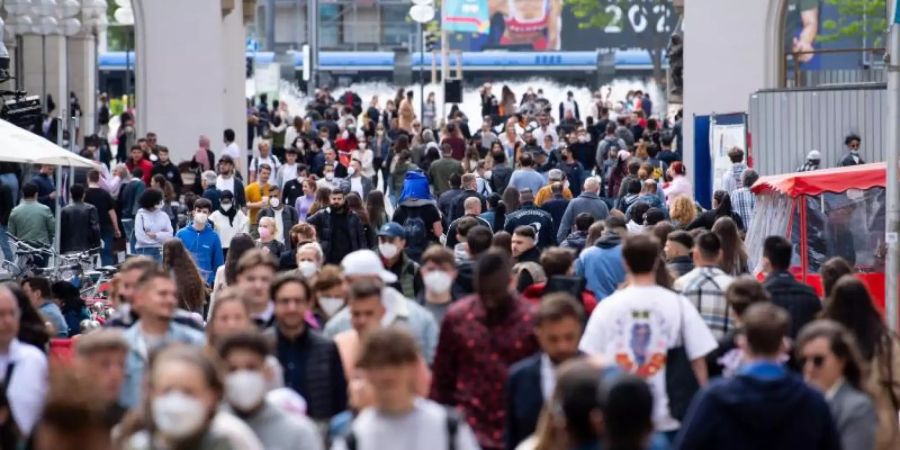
(21, 146)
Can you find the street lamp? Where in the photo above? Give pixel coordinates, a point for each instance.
(422, 12)
(124, 15)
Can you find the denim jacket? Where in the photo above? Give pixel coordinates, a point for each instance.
(138, 357)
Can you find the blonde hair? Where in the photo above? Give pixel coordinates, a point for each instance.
(683, 210)
(267, 221)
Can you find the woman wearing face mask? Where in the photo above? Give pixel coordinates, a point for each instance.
(329, 291)
(181, 412)
(267, 237)
(832, 363)
(152, 226)
(309, 260)
(366, 157)
(228, 220)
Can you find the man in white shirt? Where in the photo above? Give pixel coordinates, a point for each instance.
(399, 419)
(288, 170)
(231, 148)
(265, 157)
(636, 327)
(23, 368)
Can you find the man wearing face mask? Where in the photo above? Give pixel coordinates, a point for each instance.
(358, 183)
(244, 355)
(438, 272)
(852, 157)
(202, 241)
(331, 157)
(365, 266)
(501, 327)
(228, 182)
(285, 217)
(391, 248)
(340, 231)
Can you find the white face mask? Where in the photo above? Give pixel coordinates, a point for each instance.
(329, 176)
(331, 305)
(438, 281)
(200, 219)
(388, 250)
(160, 206)
(351, 170)
(178, 415)
(274, 202)
(226, 207)
(307, 268)
(245, 389)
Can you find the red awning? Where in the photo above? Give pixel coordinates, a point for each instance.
(838, 179)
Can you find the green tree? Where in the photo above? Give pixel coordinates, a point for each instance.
(617, 13)
(856, 19)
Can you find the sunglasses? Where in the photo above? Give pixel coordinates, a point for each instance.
(816, 360)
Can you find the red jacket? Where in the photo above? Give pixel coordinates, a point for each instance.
(534, 293)
(145, 165)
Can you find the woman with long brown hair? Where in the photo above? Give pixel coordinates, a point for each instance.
(191, 290)
(355, 204)
(323, 197)
(226, 274)
(734, 254)
(850, 304)
(375, 209)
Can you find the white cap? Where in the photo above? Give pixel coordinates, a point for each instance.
(366, 263)
(814, 154)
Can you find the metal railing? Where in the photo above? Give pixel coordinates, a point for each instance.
(871, 63)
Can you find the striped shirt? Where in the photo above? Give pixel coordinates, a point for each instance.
(742, 202)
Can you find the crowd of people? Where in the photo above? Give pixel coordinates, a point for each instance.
(370, 279)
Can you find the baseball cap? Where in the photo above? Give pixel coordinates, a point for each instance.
(814, 154)
(393, 230)
(366, 263)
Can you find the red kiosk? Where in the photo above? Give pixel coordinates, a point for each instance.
(825, 213)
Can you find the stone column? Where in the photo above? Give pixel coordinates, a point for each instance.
(234, 114)
(83, 79)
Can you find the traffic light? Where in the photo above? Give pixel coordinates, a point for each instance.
(432, 41)
(675, 52)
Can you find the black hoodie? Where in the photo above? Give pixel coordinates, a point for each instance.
(750, 412)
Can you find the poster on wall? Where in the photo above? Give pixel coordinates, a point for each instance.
(830, 34)
(723, 136)
(466, 16)
(551, 25)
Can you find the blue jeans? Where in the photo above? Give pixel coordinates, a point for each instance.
(152, 252)
(106, 254)
(4, 245)
(9, 179)
(128, 228)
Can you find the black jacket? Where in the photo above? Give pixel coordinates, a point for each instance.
(540, 220)
(798, 299)
(556, 206)
(458, 208)
(172, 174)
(81, 228)
(680, 265)
(500, 176)
(524, 400)
(322, 221)
(321, 381)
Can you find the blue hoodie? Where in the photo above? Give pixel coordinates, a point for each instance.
(205, 247)
(763, 407)
(602, 265)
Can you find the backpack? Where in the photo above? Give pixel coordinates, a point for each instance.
(453, 420)
(416, 234)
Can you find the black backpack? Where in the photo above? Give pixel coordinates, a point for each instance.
(416, 234)
(453, 420)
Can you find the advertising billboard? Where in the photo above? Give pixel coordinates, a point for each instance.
(552, 25)
(830, 34)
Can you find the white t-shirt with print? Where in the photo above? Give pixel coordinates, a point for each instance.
(636, 327)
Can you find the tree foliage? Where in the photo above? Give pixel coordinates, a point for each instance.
(856, 19)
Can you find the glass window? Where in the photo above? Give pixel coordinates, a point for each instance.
(396, 27)
(329, 25)
(847, 224)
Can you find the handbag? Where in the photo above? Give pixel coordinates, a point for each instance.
(681, 384)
